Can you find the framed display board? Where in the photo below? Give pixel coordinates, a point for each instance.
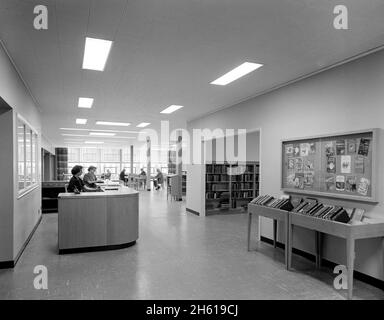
(340, 165)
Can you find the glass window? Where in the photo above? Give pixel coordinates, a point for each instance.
(89, 155)
(27, 147)
(110, 155)
(74, 155)
(21, 153)
(28, 158)
(34, 157)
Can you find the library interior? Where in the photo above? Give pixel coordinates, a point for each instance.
(191, 150)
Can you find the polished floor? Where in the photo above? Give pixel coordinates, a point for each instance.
(178, 256)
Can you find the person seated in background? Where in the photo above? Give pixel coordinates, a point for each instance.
(158, 179)
(76, 184)
(122, 176)
(107, 176)
(143, 173)
(90, 177)
(143, 178)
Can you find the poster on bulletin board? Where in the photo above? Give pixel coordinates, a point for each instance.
(339, 166)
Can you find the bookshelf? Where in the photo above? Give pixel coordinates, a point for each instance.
(230, 187)
(171, 162)
(184, 183)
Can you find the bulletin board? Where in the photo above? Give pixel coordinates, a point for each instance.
(339, 166)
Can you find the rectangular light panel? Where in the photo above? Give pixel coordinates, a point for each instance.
(236, 73)
(96, 53)
(85, 102)
(171, 109)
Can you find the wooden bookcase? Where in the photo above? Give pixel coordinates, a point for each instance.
(229, 187)
(171, 162)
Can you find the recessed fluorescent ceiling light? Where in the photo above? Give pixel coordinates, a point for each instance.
(103, 130)
(106, 134)
(143, 125)
(236, 73)
(81, 121)
(74, 135)
(85, 103)
(94, 142)
(109, 123)
(171, 109)
(96, 53)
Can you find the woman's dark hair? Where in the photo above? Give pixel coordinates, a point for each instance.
(76, 169)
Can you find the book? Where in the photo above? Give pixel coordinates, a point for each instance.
(304, 149)
(346, 164)
(299, 180)
(312, 148)
(291, 163)
(363, 186)
(340, 183)
(289, 149)
(359, 165)
(358, 214)
(350, 184)
(340, 147)
(364, 146)
(351, 146)
(331, 164)
(296, 150)
(330, 183)
(298, 164)
(329, 149)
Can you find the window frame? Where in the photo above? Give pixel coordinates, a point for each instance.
(33, 157)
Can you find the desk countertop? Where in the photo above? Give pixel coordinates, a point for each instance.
(122, 192)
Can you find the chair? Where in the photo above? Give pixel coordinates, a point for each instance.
(66, 187)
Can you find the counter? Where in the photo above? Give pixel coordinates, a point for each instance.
(98, 220)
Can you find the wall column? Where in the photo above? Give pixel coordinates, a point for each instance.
(131, 154)
(179, 164)
(148, 164)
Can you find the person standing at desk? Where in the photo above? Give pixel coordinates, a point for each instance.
(122, 176)
(90, 177)
(158, 179)
(143, 177)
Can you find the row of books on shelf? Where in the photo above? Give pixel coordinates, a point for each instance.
(311, 207)
(218, 178)
(242, 194)
(217, 187)
(211, 168)
(244, 177)
(239, 186)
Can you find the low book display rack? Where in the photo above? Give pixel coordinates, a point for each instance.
(347, 231)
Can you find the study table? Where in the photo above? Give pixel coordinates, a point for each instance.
(92, 221)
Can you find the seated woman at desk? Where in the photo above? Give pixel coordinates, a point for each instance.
(158, 179)
(76, 184)
(90, 177)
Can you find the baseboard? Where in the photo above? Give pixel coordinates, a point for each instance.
(192, 211)
(99, 248)
(329, 264)
(6, 264)
(12, 263)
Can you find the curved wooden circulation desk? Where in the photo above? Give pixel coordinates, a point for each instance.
(93, 221)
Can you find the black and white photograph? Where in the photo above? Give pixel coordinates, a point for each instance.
(191, 158)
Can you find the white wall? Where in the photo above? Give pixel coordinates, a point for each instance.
(26, 210)
(6, 183)
(346, 98)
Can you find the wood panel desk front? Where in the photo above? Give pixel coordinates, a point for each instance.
(98, 220)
